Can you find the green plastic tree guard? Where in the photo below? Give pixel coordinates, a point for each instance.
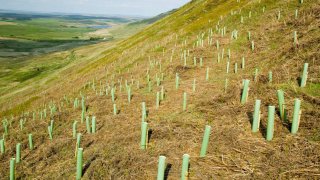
(12, 169)
(236, 68)
(184, 101)
(161, 167)
(78, 140)
(74, 129)
(207, 73)
(2, 146)
(295, 38)
(256, 75)
(270, 76)
(30, 142)
(177, 81)
(256, 116)
(94, 124)
(194, 85)
(245, 91)
(79, 163)
(144, 111)
(18, 153)
(115, 112)
(158, 100)
(185, 167)
(270, 125)
(88, 125)
(50, 132)
(281, 102)
(228, 65)
(51, 125)
(45, 112)
(162, 93)
(252, 45)
(83, 106)
(21, 124)
(243, 63)
(304, 75)
(205, 141)
(129, 95)
(144, 135)
(249, 35)
(296, 117)
(112, 94)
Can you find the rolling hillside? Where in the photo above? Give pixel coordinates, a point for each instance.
(190, 69)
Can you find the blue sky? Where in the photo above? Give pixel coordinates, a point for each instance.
(107, 7)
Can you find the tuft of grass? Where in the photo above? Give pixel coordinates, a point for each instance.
(312, 89)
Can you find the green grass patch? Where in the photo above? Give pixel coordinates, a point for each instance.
(19, 108)
(312, 89)
(23, 76)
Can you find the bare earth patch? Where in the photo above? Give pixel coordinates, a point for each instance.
(100, 32)
(7, 38)
(7, 23)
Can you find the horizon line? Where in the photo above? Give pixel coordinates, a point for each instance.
(83, 14)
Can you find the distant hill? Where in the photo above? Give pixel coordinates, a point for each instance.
(154, 19)
(28, 16)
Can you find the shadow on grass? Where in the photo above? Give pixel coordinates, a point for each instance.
(167, 170)
(149, 134)
(43, 46)
(87, 164)
(262, 127)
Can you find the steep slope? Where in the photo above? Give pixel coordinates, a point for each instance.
(215, 34)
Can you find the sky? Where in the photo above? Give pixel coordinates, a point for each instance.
(146, 8)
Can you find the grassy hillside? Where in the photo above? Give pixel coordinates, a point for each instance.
(197, 42)
(154, 19)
